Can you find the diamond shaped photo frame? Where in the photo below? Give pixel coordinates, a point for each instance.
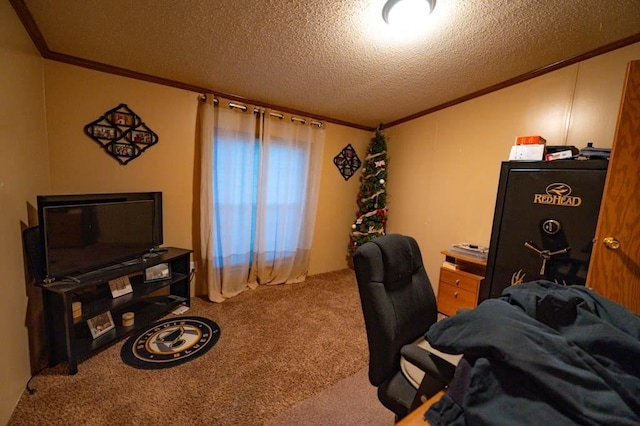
(121, 133)
(347, 162)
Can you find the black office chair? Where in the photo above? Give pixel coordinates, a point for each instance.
(399, 306)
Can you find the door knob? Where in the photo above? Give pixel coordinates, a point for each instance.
(611, 243)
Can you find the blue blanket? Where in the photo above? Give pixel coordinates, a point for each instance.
(541, 354)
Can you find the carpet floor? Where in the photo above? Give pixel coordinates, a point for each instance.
(342, 404)
(285, 355)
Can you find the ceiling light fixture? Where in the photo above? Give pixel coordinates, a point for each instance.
(406, 12)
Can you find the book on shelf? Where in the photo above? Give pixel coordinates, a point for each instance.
(450, 265)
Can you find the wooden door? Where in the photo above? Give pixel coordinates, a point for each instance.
(615, 272)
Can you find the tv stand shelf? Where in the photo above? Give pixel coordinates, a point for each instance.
(69, 338)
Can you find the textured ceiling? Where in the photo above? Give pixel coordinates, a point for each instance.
(333, 58)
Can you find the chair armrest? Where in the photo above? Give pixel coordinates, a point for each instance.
(433, 366)
(438, 372)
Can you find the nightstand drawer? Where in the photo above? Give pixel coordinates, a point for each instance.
(459, 279)
(452, 298)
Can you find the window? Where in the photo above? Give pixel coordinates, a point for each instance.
(258, 196)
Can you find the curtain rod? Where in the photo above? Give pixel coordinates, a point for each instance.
(278, 115)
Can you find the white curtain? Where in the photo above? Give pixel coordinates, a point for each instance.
(260, 175)
(229, 148)
(288, 197)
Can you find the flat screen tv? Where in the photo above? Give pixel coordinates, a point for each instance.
(85, 232)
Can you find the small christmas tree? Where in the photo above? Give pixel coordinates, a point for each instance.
(371, 217)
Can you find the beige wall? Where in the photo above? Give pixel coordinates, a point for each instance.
(77, 96)
(24, 173)
(337, 201)
(444, 167)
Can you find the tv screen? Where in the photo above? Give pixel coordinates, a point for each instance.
(80, 233)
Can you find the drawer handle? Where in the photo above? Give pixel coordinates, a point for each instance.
(455, 295)
(457, 282)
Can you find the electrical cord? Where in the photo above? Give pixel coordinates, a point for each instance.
(28, 387)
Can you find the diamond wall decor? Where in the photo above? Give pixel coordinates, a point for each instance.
(347, 162)
(121, 133)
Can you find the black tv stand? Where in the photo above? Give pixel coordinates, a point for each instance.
(69, 338)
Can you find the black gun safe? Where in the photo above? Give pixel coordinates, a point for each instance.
(544, 223)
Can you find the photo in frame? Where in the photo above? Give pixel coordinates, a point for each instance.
(161, 271)
(122, 118)
(123, 149)
(120, 286)
(104, 132)
(140, 136)
(100, 324)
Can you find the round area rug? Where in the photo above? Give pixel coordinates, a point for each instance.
(170, 342)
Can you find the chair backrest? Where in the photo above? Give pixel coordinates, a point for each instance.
(397, 299)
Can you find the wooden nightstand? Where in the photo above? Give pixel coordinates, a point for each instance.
(458, 289)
